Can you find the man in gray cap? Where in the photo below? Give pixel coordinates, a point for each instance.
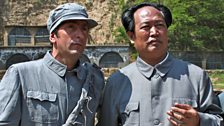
(56, 90)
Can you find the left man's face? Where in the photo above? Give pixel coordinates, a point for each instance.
(71, 38)
(150, 35)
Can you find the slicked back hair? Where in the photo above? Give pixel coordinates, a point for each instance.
(127, 17)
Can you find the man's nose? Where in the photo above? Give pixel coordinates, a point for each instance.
(153, 31)
(78, 33)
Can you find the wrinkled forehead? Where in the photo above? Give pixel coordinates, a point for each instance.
(148, 11)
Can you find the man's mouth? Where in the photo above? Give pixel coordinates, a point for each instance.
(76, 43)
(154, 41)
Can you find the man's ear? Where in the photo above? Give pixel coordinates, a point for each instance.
(131, 36)
(52, 38)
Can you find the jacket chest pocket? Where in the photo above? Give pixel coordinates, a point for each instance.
(130, 115)
(42, 107)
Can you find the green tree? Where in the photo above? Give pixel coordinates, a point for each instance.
(197, 25)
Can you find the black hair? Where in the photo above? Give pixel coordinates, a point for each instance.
(127, 17)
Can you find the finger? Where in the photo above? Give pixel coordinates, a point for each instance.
(179, 119)
(178, 110)
(174, 121)
(184, 109)
(178, 116)
(170, 113)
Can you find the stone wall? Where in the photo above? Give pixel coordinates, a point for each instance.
(2, 8)
(35, 13)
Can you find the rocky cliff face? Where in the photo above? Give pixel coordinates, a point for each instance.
(35, 13)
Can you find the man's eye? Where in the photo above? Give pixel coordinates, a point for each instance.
(145, 27)
(160, 25)
(85, 28)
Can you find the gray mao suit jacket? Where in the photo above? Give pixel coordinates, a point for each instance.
(141, 95)
(45, 93)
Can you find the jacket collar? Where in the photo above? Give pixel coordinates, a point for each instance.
(61, 69)
(161, 68)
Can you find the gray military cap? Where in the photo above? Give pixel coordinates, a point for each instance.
(68, 11)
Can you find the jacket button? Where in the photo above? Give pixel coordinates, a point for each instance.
(156, 122)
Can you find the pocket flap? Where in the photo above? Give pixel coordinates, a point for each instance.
(42, 96)
(131, 107)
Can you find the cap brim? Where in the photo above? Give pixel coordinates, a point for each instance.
(91, 23)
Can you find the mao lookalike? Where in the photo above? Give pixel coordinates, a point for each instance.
(157, 89)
